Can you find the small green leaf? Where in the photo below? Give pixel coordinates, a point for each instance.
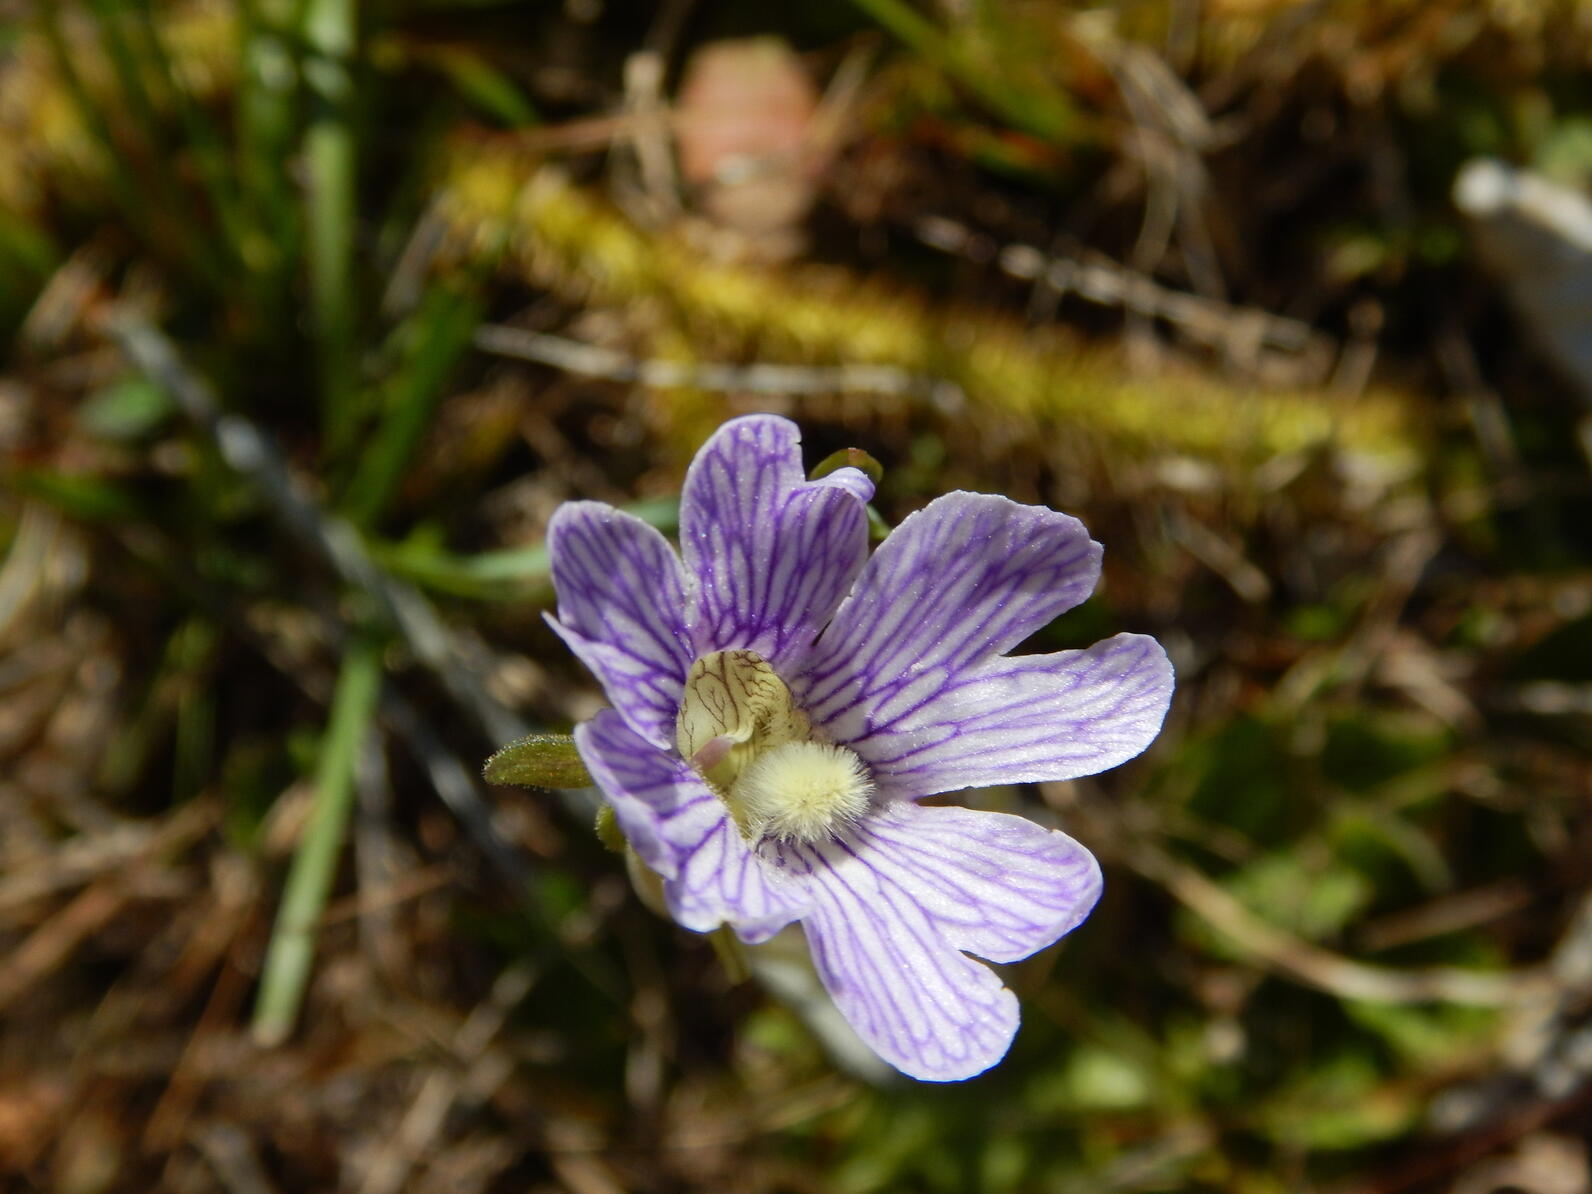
(848, 458)
(79, 495)
(490, 90)
(538, 761)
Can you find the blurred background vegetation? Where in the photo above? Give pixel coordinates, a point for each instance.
(316, 310)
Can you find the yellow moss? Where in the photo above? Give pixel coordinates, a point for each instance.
(564, 237)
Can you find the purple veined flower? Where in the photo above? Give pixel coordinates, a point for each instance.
(782, 700)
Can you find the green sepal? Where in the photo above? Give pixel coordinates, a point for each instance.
(538, 761)
(848, 458)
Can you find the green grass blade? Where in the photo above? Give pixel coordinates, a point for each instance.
(28, 256)
(488, 89)
(129, 196)
(129, 74)
(1044, 113)
(309, 882)
(202, 138)
(436, 336)
(29, 245)
(267, 134)
(206, 255)
(193, 749)
(78, 495)
(331, 152)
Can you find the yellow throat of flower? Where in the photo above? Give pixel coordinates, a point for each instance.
(739, 727)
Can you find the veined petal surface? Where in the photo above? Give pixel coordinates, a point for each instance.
(996, 885)
(680, 828)
(1015, 719)
(772, 554)
(623, 609)
(910, 994)
(663, 806)
(723, 881)
(956, 584)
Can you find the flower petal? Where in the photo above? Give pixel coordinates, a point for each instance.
(723, 881)
(995, 885)
(918, 1001)
(1015, 719)
(622, 609)
(681, 829)
(772, 553)
(661, 803)
(965, 578)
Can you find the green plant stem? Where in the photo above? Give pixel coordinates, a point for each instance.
(309, 882)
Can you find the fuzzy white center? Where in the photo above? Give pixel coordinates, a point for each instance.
(740, 728)
(802, 791)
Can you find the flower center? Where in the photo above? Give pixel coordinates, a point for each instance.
(739, 727)
(803, 791)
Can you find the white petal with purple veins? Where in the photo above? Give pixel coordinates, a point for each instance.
(772, 553)
(722, 881)
(995, 885)
(1015, 719)
(917, 1000)
(663, 806)
(622, 607)
(681, 829)
(965, 578)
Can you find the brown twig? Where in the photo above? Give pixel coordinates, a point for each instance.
(1100, 280)
(592, 360)
(1333, 973)
(483, 1070)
